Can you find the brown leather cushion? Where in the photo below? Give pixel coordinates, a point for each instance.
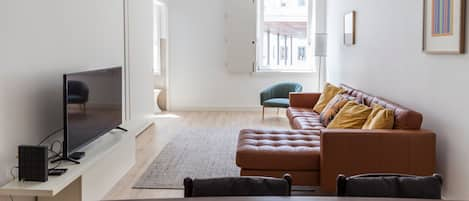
(307, 123)
(303, 113)
(293, 112)
(278, 149)
(404, 118)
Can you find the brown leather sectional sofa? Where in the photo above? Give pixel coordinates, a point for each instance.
(315, 155)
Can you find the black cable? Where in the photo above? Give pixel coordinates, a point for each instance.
(51, 149)
(56, 154)
(11, 172)
(52, 146)
(50, 135)
(59, 162)
(56, 166)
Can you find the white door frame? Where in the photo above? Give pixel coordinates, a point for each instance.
(126, 61)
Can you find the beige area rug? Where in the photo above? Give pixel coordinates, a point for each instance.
(196, 153)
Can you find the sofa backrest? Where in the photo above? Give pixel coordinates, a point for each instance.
(404, 118)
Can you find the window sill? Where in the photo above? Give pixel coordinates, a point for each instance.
(277, 72)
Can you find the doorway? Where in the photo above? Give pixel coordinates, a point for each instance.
(160, 68)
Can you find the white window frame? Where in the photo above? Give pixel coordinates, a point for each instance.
(311, 25)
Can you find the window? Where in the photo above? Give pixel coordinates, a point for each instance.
(284, 35)
(301, 2)
(301, 53)
(283, 3)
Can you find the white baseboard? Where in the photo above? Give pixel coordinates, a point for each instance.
(218, 109)
(140, 126)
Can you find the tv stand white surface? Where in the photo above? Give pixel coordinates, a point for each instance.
(107, 160)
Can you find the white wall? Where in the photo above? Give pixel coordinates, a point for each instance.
(140, 60)
(41, 40)
(388, 61)
(198, 76)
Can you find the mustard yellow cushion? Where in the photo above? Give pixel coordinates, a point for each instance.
(329, 92)
(380, 118)
(351, 116)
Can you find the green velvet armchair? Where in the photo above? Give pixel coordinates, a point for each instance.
(277, 96)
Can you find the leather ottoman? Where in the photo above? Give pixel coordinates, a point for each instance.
(276, 152)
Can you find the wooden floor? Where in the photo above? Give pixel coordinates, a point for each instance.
(152, 141)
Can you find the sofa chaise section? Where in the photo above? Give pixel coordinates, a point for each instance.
(353, 152)
(276, 152)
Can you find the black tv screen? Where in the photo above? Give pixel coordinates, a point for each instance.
(92, 106)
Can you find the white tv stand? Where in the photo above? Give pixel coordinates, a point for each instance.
(106, 161)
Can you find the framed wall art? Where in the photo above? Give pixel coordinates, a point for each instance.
(444, 26)
(349, 28)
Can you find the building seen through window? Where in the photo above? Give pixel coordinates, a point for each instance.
(285, 42)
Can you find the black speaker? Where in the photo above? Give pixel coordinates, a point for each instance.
(33, 164)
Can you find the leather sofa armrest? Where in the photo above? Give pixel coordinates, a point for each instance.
(304, 100)
(352, 152)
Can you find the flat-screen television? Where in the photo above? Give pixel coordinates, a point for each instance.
(92, 106)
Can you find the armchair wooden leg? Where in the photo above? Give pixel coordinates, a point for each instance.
(263, 112)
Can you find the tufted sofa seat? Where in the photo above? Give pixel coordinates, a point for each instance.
(272, 152)
(307, 123)
(301, 112)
